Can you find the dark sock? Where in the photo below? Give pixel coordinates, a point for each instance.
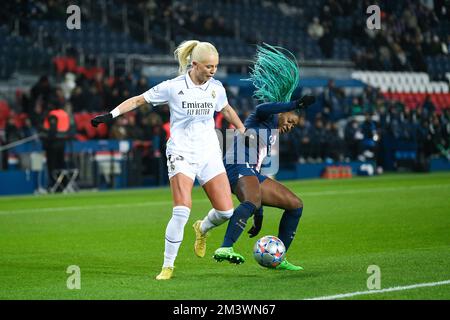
(259, 211)
(238, 222)
(288, 226)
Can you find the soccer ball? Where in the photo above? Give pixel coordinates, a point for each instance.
(269, 251)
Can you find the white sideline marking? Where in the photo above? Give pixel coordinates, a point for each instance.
(153, 203)
(353, 191)
(75, 208)
(359, 293)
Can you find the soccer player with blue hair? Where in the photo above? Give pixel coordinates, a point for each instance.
(275, 75)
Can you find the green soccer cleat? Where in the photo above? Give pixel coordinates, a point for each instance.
(229, 255)
(286, 265)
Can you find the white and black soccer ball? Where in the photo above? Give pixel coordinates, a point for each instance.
(269, 251)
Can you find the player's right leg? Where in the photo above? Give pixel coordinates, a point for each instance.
(248, 193)
(275, 194)
(212, 177)
(219, 193)
(181, 185)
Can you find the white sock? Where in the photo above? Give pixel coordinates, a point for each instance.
(174, 234)
(215, 218)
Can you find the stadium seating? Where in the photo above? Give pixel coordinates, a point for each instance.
(410, 88)
(84, 129)
(5, 111)
(93, 39)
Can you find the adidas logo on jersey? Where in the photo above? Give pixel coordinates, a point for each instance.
(181, 93)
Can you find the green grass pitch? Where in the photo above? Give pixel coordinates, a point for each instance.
(401, 223)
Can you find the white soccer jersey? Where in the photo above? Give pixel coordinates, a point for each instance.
(192, 110)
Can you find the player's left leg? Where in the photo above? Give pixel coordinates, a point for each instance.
(218, 191)
(181, 186)
(274, 194)
(248, 193)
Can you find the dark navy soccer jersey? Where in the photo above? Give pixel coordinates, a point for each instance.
(261, 125)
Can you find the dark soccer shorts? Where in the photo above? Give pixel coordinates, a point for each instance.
(236, 171)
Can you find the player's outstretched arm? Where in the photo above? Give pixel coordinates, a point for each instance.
(231, 116)
(305, 101)
(264, 110)
(128, 105)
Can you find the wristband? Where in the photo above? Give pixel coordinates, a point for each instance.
(115, 112)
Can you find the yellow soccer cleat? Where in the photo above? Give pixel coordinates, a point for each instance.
(200, 240)
(166, 273)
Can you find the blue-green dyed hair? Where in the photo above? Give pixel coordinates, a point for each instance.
(275, 74)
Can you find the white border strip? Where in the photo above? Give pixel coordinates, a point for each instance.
(359, 293)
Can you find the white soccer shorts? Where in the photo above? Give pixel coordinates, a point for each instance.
(203, 171)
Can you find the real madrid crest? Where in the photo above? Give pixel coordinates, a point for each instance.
(213, 94)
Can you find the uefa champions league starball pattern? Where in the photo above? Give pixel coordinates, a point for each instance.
(269, 251)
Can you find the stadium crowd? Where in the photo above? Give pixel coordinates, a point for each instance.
(338, 128)
(411, 32)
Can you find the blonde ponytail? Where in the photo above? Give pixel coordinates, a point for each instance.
(185, 54)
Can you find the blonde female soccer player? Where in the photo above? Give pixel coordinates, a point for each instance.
(193, 150)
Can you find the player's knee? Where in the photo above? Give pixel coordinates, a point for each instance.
(254, 199)
(295, 203)
(225, 214)
(181, 213)
(183, 203)
(175, 227)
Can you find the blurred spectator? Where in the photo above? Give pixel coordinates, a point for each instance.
(315, 29)
(370, 137)
(439, 136)
(428, 107)
(119, 129)
(356, 107)
(141, 86)
(78, 99)
(56, 130)
(12, 134)
(28, 129)
(332, 98)
(318, 141)
(302, 134)
(334, 144)
(434, 46)
(94, 99)
(326, 42)
(41, 89)
(287, 144)
(68, 85)
(133, 131)
(352, 137)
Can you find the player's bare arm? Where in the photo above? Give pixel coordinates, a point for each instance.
(126, 106)
(231, 116)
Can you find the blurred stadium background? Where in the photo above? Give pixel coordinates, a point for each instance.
(383, 95)
(382, 108)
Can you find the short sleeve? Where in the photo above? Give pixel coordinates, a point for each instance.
(222, 99)
(159, 94)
